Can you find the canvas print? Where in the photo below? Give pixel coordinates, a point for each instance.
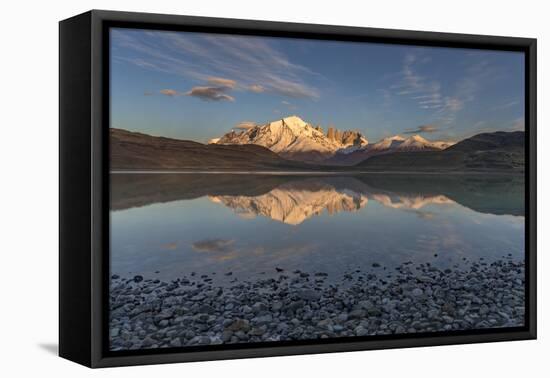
(267, 190)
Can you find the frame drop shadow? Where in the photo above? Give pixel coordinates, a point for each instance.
(52, 348)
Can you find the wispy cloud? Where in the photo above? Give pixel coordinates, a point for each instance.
(466, 89)
(256, 88)
(422, 129)
(210, 94)
(428, 93)
(424, 92)
(251, 62)
(289, 105)
(505, 105)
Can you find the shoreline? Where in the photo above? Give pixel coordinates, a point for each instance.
(190, 311)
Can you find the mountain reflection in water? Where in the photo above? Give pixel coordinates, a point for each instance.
(293, 203)
(168, 225)
(294, 199)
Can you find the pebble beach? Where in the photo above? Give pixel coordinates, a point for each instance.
(298, 305)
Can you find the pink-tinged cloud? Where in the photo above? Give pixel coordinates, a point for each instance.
(256, 88)
(221, 82)
(169, 92)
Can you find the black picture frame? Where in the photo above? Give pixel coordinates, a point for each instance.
(84, 185)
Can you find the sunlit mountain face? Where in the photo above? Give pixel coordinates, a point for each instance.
(293, 138)
(295, 202)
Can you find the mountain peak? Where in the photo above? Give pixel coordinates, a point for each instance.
(418, 138)
(398, 138)
(295, 139)
(294, 119)
(295, 123)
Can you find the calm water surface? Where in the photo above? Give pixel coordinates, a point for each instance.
(168, 226)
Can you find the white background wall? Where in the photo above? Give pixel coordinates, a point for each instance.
(28, 155)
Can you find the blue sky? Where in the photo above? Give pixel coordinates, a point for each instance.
(198, 86)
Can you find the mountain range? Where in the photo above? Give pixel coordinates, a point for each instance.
(295, 145)
(498, 151)
(389, 145)
(293, 138)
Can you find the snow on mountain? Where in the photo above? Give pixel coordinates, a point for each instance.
(293, 138)
(413, 143)
(417, 143)
(388, 145)
(441, 144)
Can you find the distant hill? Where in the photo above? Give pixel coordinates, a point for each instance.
(491, 141)
(136, 151)
(502, 151)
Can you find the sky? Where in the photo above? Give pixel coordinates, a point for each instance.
(198, 86)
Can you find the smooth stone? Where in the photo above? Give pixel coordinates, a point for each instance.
(263, 319)
(258, 331)
(239, 325)
(259, 306)
(357, 314)
(175, 342)
(360, 331)
(309, 295)
(226, 336)
(206, 309)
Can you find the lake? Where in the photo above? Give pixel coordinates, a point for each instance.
(202, 259)
(169, 225)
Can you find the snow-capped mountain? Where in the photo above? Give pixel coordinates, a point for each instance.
(293, 138)
(417, 143)
(414, 143)
(388, 145)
